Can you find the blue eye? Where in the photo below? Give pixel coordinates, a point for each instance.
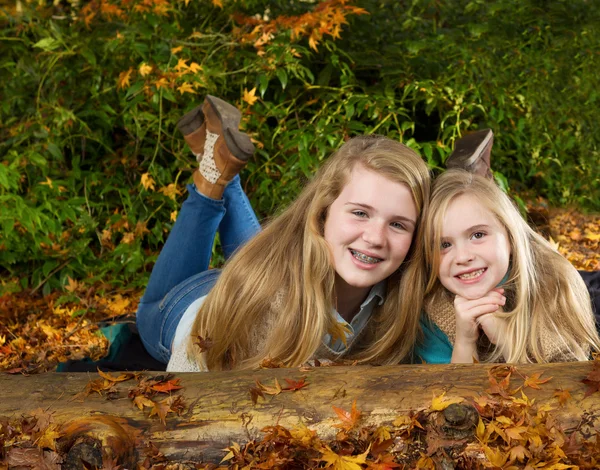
(359, 213)
(398, 225)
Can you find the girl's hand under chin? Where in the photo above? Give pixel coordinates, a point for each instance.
(472, 314)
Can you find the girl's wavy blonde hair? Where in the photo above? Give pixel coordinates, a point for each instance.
(275, 296)
(544, 291)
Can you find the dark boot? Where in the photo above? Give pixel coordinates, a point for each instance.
(473, 153)
(211, 132)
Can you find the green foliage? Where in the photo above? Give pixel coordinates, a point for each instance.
(91, 97)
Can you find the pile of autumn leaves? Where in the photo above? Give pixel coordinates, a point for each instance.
(507, 431)
(36, 333)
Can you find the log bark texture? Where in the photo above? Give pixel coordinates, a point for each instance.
(219, 409)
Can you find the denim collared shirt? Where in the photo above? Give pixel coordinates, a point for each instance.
(376, 297)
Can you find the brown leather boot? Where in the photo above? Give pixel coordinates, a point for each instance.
(473, 153)
(211, 132)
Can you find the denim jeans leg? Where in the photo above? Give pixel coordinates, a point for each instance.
(239, 224)
(186, 253)
(162, 316)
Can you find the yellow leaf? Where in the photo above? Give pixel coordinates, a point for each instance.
(161, 83)
(194, 67)
(181, 65)
(119, 304)
(343, 462)
(218, 3)
(145, 69)
(128, 238)
(48, 182)
(504, 420)
(170, 191)
(249, 96)
(124, 78)
(173, 216)
(71, 285)
(440, 403)
(480, 432)
(303, 434)
(186, 88)
(148, 181)
(313, 40)
(141, 401)
(495, 456)
(49, 437)
(175, 50)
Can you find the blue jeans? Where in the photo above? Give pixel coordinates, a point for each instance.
(180, 275)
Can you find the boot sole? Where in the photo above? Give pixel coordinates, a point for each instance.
(238, 143)
(467, 154)
(191, 121)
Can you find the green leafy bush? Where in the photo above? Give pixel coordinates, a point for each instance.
(93, 171)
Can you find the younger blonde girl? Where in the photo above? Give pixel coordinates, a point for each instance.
(495, 289)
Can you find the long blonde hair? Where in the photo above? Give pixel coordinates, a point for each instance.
(274, 298)
(545, 294)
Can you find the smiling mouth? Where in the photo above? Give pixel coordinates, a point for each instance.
(364, 258)
(472, 274)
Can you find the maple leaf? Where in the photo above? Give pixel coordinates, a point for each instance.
(249, 96)
(495, 456)
(275, 390)
(563, 396)
(440, 403)
(515, 432)
(294, 385)
(534, 381)
(203, 343)
(185, 88)
(128, 238)
(256, 392)
(167, 386)
(182, 65)
(383, 462)
(48, 438)
(343, 462)
(72, 285)
(194, 67)
(161, 408)
(170, 191)
(218, 3)
(519, 453)
(145, 69)
(147, 182)
(173, 216)
(118, 304)
(349, 419)
(161, 83)
(124, 78)
(141, 401)
(111, 378)
(175, 50)
(48, 183)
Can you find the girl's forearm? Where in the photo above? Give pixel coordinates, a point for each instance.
(464, 353)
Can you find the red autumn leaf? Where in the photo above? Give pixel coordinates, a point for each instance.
(168, 386)
(349, 419)
(562, 395)
(534, 381)
(294, 385)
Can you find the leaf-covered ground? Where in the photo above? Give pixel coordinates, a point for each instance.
(38, 332)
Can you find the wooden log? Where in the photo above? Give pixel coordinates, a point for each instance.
(220, 410)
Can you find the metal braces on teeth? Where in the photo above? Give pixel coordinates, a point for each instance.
(365, 258)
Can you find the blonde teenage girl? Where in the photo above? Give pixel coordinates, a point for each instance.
(496, 290)
(324, 279)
